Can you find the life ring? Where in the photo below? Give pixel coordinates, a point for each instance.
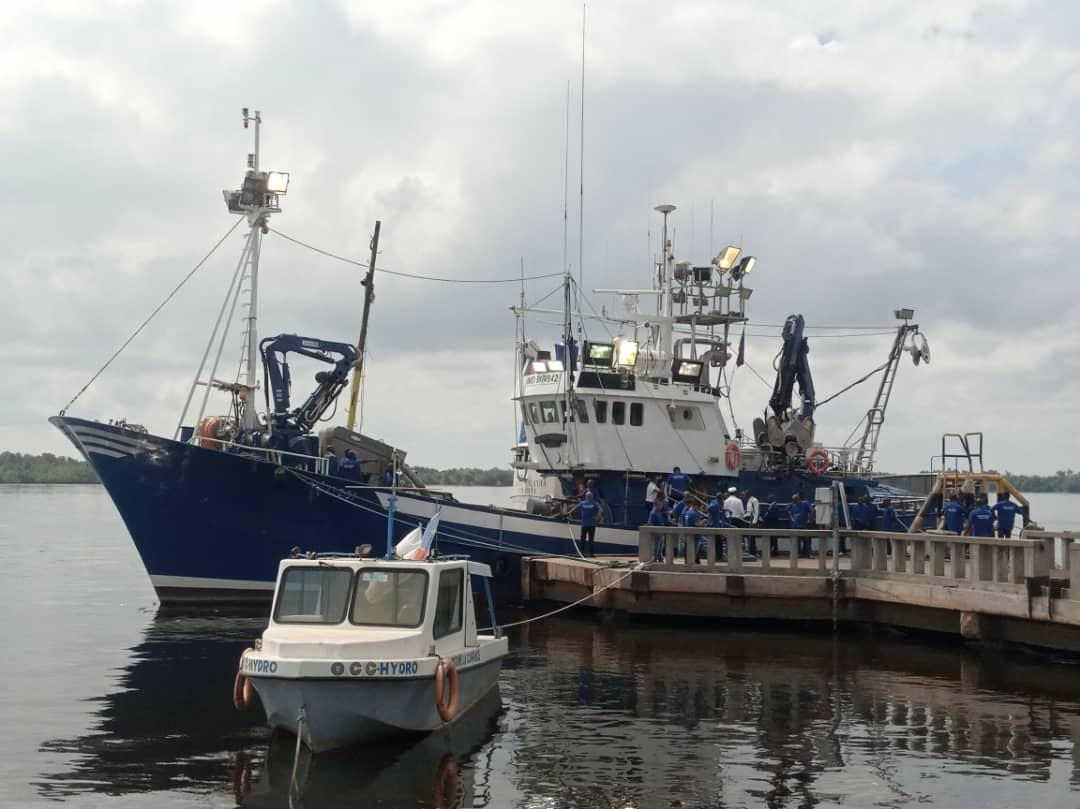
(732, 455)
(818, 461)
(243, 691)
(447, 707)
(446, 782)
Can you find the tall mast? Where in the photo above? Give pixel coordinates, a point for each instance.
(361, 344)
(257, 223)
(665, 290)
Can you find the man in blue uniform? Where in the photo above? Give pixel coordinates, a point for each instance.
(350, 466)
(590, 515)
(388, 477)
(889, 520)
(800, 518)
(718, 519)
(981, 520)
(658, 516)
(677, 484)
(691, 518)
(1005, 510)
(953, 515)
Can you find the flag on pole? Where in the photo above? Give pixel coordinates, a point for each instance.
(740, 358)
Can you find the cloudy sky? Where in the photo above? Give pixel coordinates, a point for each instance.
(871, 155)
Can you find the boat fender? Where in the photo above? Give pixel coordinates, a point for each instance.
(446, 782)
(732, 455)
(243, 692)
(446, 675)
(818, 461)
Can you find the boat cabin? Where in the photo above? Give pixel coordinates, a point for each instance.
(344, 607)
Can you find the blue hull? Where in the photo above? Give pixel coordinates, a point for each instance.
(211, 527)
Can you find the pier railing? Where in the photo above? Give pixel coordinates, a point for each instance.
(942, 558)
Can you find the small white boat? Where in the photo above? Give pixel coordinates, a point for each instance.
(358, 649)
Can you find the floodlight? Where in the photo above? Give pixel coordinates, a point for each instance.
(727, 257)
(626, 353)
(744, 267)
(277, 182)
(904, 314)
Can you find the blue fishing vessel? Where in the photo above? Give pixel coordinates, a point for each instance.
(213, 508)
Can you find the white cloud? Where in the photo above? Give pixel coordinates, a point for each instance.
(871, 155)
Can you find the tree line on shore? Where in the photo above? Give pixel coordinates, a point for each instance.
(16, 467)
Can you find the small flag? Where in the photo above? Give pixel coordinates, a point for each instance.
(740, 358)
(429, 534)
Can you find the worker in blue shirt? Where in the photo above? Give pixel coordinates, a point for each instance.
(953, 515)
(981, 520)
(677, 483)
(889, 520)
(692, 518)
(590, 515)
(800, 518)
(349, 468)
(718, 518)
(658, 516)
(389, 478)
(1005, 510)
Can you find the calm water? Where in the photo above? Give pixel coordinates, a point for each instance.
(106, 702)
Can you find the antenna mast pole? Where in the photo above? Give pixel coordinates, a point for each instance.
(581, 161)
(361, 344)
(257, 222)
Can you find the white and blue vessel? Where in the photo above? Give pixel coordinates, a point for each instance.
(214, 507)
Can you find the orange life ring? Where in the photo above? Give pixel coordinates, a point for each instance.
(446, 782)
(818, 461)
(208, 429)
(447, 707)
(242, 692)
(732, 455)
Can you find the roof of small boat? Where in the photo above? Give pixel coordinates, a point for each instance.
(358, 563)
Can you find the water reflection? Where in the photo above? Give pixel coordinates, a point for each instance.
(710, 716)
(613, 715)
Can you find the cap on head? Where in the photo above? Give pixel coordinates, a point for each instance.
(732, 490)
(676, 469)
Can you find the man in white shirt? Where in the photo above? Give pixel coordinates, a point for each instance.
(733, 505)
(652, 491)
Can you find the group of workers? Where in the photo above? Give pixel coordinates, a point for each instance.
(981, 520)
(350, 468)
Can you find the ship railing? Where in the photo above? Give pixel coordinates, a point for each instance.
(978, 562)
(1063, 544)
(309, 462)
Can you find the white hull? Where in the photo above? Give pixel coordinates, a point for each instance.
(344, 712)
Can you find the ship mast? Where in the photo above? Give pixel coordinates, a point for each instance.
(665, 307)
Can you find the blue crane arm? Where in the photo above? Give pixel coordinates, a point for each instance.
(329, 383)
(793, 367)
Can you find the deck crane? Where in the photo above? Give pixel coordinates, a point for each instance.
(787, 430)
(919, 349)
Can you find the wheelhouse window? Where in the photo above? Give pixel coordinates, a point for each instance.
(600, 409)
(389, 597)
(618, 412)
(534, 413)
(449, 607)
(637, 414)
(313, 595)
(581, 411)
(548, 414)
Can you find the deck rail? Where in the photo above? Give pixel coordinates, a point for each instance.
(984, 563)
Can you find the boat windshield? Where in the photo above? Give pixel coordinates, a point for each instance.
(389, 598)
(313, 595)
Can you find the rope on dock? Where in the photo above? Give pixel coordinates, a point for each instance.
(565, 607)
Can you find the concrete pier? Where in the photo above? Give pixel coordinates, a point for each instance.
(987, 590)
